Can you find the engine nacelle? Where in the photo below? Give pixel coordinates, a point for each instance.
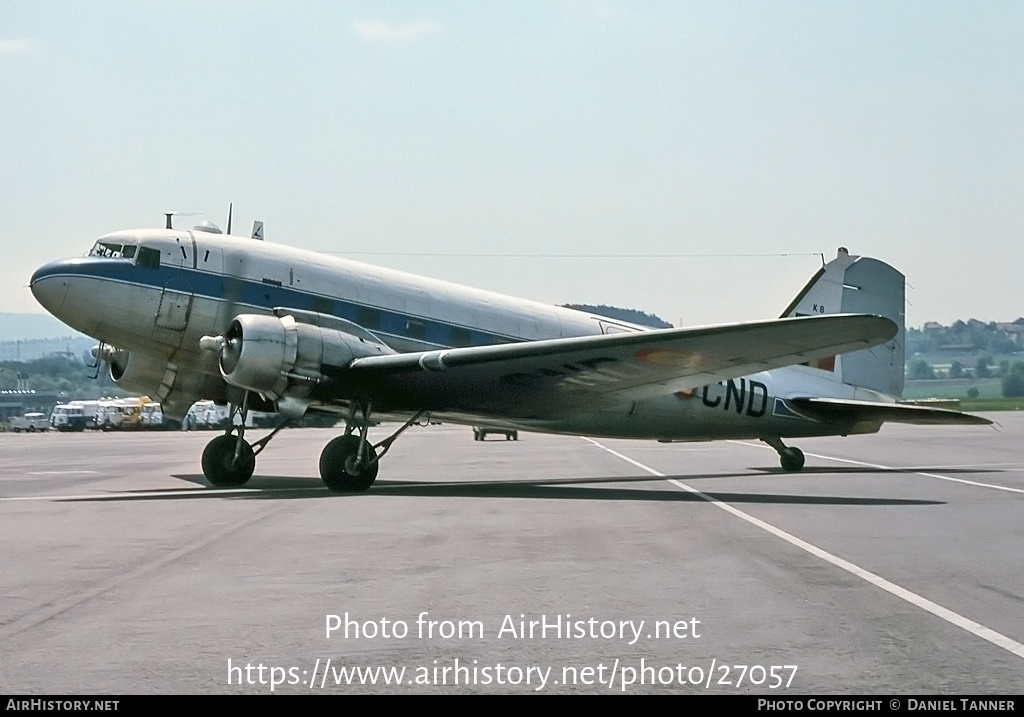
(277, 355)
(176, 391)
(136, 374)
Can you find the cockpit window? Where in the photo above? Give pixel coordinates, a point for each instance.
(107, 250)
(113, 250)
(149, 258)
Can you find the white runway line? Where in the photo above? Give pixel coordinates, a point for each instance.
(921, 473)
(946, 614)
(908, 471)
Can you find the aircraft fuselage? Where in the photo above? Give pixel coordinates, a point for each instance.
(178, 286)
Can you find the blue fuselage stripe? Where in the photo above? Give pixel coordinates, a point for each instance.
(219, 287)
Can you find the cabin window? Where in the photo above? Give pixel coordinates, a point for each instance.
(148, 258)
(415, 329)
(368, 318)
(321, 305)
(461, 337)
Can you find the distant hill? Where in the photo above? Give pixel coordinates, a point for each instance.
(632, 316)
(26, 337)
(22, 327)
(77, 347)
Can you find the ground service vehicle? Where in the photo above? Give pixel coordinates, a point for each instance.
(30, 422)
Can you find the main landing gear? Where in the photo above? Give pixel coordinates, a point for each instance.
(349, 463)
(229, 460)
(792, 459)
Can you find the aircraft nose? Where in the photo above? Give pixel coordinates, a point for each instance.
(49, 285)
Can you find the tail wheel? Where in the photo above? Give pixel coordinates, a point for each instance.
(220, 466)
(792, 459)
(339, 466)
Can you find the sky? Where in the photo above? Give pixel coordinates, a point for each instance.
(691, 159)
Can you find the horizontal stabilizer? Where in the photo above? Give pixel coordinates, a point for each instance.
(834, 409)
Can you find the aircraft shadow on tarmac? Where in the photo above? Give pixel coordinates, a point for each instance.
(291, 488)
(861, 470)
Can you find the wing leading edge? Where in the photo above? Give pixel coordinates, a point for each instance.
(539, 378)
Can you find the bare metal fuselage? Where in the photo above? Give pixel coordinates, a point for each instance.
(203, 280)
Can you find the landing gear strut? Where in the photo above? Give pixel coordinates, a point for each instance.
(349, 463)
(792, 459)
(229, 460)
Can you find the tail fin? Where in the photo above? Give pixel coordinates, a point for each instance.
(859, 285)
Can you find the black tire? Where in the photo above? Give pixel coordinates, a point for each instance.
(792, 460)
(335, 466)
(219, 464)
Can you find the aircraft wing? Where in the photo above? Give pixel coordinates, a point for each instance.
(545, 378)
(832, 409)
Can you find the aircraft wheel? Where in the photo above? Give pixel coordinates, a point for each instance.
(792, 459)
(219, 464)
(337, 466)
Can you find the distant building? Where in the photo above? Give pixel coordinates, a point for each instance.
(1015, 330)
(957, 348)
(17, 403)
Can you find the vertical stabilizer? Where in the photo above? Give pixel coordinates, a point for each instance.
(859, 285)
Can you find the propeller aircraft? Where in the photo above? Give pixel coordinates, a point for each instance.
(200, 314)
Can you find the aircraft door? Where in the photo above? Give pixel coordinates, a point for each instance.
(174, 310)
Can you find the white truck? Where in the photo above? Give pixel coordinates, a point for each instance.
(30, 422)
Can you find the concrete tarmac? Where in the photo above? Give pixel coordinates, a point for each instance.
(890, 565)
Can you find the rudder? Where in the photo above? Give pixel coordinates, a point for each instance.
(859, 285)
